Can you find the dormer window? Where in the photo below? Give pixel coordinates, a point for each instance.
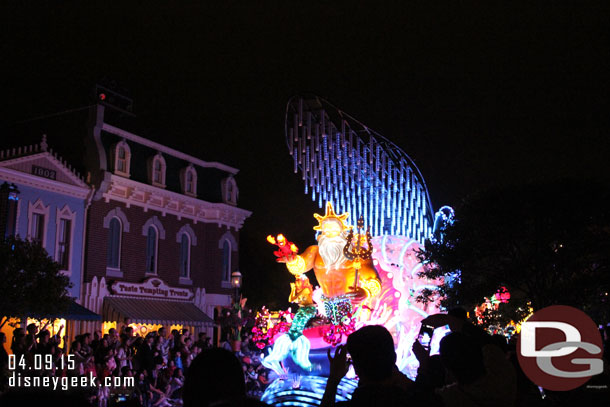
(157, 171)
(122, 158)
(230, 191)
(189, 181)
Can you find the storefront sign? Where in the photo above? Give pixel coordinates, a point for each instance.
(153, 287)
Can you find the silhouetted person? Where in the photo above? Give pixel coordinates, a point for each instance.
(374, 359)
(215, 377)
(477, 368)
(483, 376)
(145, 355)
(459, 313)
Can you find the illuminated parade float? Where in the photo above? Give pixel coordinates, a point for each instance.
(377, 215)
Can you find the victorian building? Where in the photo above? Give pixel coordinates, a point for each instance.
(162, 231)
(43, 199)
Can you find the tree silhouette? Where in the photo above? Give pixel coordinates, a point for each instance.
(547, 243)
(30, 281)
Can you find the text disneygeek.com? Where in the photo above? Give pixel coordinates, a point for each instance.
(64, 383)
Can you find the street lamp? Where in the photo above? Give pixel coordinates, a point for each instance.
(236, 283)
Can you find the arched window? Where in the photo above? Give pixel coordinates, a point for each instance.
(189, 181)
(226, 261)
(230, 191)
(114, 244)
(151, 250)
(185, 255)
(122, 158)
(157, 171)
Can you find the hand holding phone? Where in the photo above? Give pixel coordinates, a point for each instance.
(425, 336)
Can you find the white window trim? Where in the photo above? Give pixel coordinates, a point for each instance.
(116, 213)
(114, 271)
(157, 223)
(122, 218)
(189, 231)
(156, 263)
(151, 170)
(186, 280)
(40, 208)
(232, 199)
(185, 171)
(65, 213)
(115, 156)
(230, 260)
(227, 236)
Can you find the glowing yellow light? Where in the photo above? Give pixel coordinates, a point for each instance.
(53, 326)
(144, 329)
(296, 266)
(372, 287)
(106, 325)
(271, 239)
(339, 220)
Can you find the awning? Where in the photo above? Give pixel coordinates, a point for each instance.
(75, 312)
(147, 311)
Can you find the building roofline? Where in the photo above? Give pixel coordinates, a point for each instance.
(164, 149)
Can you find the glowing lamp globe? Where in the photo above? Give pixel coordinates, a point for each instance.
(236, 279)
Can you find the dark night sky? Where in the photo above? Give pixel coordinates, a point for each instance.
(477, 97)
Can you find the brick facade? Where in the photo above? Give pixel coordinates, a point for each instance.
(206, 255)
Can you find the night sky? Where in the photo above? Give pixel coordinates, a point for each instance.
(476, 96)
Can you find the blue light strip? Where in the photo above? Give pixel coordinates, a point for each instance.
(357, 169)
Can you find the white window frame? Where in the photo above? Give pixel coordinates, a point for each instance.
(230, 198)
(158, 158)
(67, 214)
(185, 171)
(124, 223)
(190, 234)
(227, 237)
(156, 261)
(115, 155)
(185, 279)
(226, 282)
(115, 271)
(38, 207)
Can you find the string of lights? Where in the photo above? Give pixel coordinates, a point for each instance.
(357, 169)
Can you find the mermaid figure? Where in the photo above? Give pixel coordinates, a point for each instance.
(294, 342)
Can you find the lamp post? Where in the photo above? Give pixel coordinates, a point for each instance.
(236, 283)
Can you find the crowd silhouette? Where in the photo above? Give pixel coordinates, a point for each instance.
(473, 368)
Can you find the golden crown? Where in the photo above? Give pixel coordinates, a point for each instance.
(330, 215)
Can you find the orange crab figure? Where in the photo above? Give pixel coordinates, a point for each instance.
(285, 248)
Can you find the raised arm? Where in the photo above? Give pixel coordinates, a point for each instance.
(301, 263)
